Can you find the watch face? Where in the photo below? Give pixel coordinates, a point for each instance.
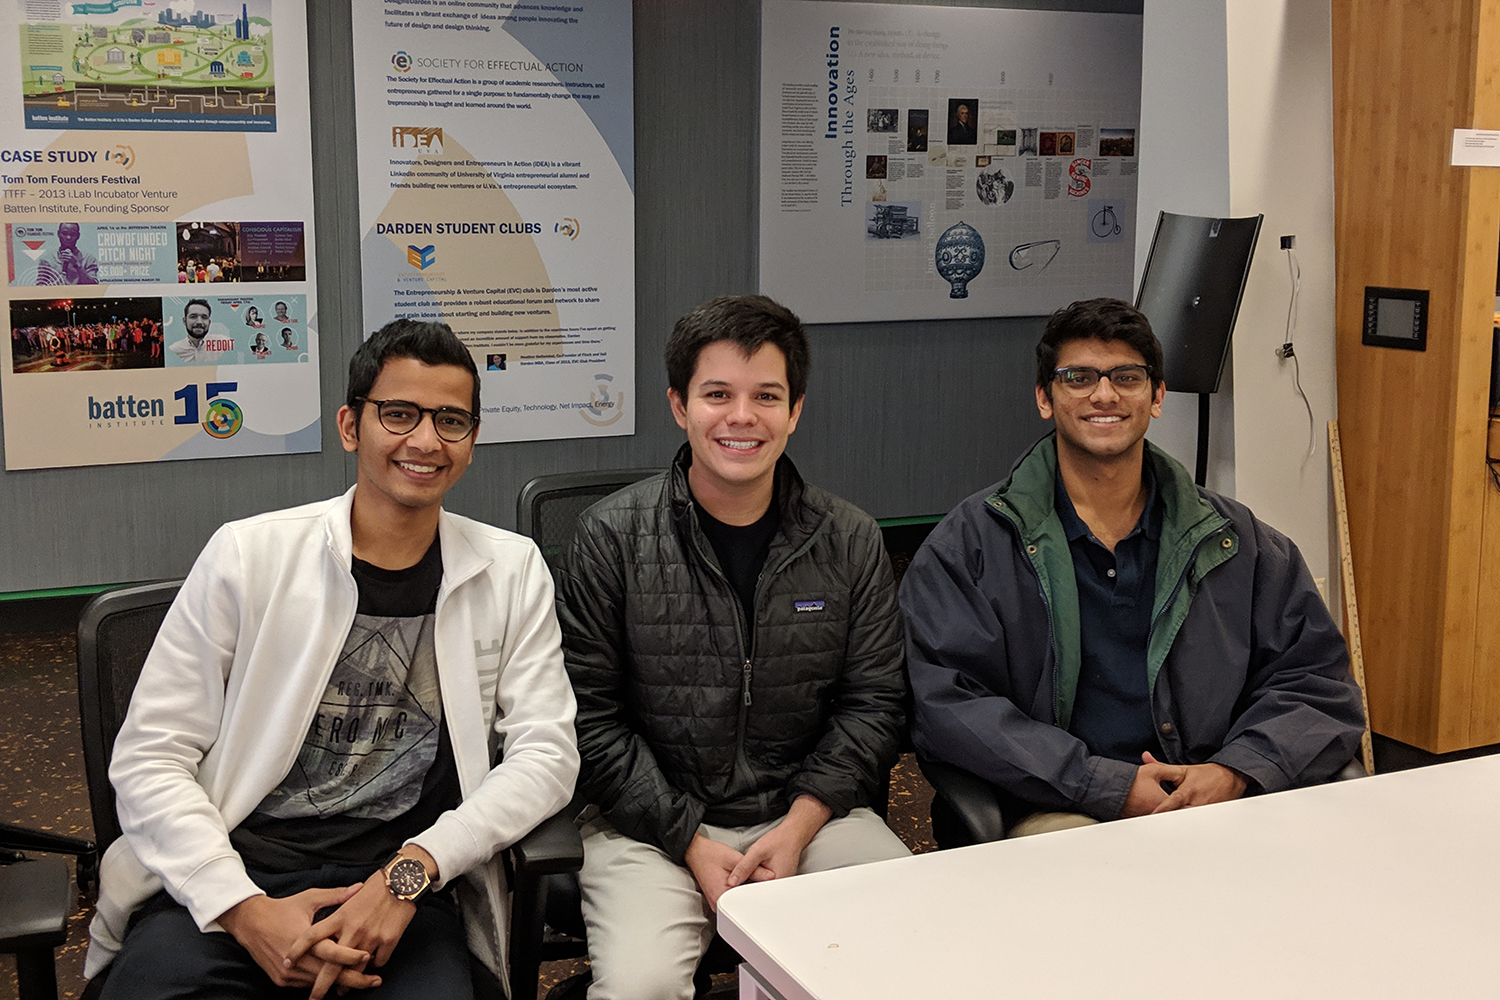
(406, 877)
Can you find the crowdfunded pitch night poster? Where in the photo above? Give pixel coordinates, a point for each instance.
(156, 197)
(496, 181)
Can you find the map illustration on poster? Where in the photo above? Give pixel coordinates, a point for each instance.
(119, 64)
(496, 163)
(927, 162)
(159, 288)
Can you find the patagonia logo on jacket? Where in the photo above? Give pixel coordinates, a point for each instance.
(802, 606)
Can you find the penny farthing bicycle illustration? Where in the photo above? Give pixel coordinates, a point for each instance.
(1105, 222)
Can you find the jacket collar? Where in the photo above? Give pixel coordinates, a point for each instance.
(460, 560)
(798, 521)
(1028, 495)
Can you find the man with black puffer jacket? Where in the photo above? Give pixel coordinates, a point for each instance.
(735, 646)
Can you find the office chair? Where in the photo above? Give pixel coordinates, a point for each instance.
(549, 506)
(35, 897)
(35, 900)
(115, 633)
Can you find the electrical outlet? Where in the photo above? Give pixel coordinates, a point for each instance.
(1322, 584)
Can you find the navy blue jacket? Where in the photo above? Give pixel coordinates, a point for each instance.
(1244, 662)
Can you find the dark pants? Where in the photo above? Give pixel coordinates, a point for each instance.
(166, 957)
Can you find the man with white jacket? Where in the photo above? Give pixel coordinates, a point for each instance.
(307, 777)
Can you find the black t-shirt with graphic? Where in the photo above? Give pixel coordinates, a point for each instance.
(376, 767)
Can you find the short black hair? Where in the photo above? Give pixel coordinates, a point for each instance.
(429, 343)
(197, 302)
(750, 322)
(1097, 319)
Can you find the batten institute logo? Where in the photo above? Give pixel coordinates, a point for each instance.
(401, 62)
(225, 418)
(421, 258)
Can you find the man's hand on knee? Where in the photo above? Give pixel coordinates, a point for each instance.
(1198, 784)
(778, 852)
(1146, 792)
(711, 862)
(266, 928)
(372, 922)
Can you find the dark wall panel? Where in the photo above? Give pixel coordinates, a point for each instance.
(901, 418)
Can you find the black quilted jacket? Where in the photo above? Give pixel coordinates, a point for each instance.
(685, 714)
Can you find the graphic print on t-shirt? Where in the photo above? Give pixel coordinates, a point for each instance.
(376, 731)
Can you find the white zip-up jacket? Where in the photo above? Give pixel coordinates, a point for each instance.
(230, 687)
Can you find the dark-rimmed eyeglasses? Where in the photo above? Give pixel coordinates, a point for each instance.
(1080, 379)
(400, 416)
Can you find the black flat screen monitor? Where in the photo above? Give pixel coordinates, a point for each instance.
(1190, 291)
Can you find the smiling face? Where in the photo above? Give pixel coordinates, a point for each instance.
(402, 473)
(196, 319)
(1103, 425)
(738, 414)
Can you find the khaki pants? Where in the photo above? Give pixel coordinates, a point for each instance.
(648, 925)
(1048, 822)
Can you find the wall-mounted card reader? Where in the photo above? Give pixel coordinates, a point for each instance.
(1396, 317)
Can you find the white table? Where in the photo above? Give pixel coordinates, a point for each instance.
(1379, 887)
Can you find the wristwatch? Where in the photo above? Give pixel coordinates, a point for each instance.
(406, 877)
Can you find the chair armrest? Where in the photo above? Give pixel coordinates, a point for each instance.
(971, 799)
(554, 846)
(38, 897)
(19, 838)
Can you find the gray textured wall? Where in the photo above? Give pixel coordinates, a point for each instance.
(901, 418)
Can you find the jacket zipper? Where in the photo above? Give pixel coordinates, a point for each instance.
(747, 667)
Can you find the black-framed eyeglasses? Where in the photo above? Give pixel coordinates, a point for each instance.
(402, 417)
(1081, 379)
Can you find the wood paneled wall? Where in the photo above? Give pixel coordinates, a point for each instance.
(1414, 424)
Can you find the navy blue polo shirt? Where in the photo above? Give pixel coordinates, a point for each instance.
(1116, 590)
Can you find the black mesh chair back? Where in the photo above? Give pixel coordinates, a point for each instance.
(549, 506)
(115, 633)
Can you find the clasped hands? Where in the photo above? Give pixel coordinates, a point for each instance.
(293, 950)
(1192, 784)
(717, 867)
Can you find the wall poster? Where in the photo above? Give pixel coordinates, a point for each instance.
(496, 192)
(926, 162)
(156, 192)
